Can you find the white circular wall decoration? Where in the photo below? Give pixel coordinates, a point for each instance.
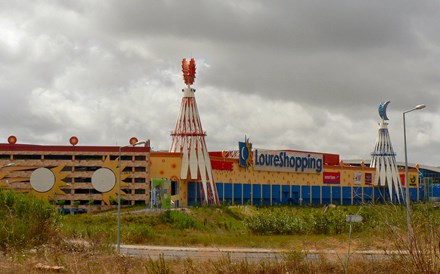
(42, 179)
(103, 180)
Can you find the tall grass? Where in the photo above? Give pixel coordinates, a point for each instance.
(98, 231)
(25, 221)
(291, 220)
(419, 251)
(196, 226)
(178, 219)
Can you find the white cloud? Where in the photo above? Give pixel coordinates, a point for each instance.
(298, 75)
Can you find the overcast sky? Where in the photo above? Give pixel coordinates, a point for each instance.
(302, 75)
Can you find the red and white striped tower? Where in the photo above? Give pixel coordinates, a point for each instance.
(189, 139)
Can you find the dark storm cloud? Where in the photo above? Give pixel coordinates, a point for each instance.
(308, 51)
(290, 74)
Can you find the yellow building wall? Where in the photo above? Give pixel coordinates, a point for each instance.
(347, 176)
(167, 165)
(250, 176)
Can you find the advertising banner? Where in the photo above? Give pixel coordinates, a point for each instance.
(332, 178)
(368, 178)
(287, 161)
(412, 179)
(358, 178)
(402, 179)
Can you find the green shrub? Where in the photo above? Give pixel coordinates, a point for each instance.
(289, 220)
(25, 221)
(90, 227)
(278, 221)
(137, 234)
(179, 219)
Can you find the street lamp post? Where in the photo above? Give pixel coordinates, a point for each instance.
(119, 192)
(408, 207)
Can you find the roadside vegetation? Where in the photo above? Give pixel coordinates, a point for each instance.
(34, 237)
(25, 221)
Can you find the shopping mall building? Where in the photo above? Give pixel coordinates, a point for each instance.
(90, 177)
(330, 182)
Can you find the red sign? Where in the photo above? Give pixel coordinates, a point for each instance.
(222, 165)
(412, 180)
(332, 178)
(402, 179)
(368, 178)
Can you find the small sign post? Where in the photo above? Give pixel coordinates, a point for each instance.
(351, 219)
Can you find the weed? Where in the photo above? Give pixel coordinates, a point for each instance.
(159, 266)
(179, 220)
(25, 221)
(419, 251)
(138, 234)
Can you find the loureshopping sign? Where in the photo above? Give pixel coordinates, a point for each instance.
(287, 161)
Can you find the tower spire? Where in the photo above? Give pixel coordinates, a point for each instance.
(188, 138)
(383, 159)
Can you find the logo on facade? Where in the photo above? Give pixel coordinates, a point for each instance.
(287, 161)
(245, 149)
(332, 178)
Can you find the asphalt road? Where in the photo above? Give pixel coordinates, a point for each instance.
(250, 254)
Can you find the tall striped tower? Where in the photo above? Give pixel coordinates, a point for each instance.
(384, 159)
(189, 139)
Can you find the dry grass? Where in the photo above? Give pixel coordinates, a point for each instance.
(80, 256)
(84, 245)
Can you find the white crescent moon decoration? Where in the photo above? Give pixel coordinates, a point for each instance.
(242, 154)
(383, 110)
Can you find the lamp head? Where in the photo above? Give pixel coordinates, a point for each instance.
(420, 106)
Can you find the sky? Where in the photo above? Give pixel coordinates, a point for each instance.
(302, 75)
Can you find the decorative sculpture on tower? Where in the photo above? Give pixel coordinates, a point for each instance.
(384, 159)
(189, 139)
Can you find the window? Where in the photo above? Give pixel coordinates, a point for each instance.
(27, 157)
(88, 157)
(139, 191)
(83, 180)
(139, 169)
(58, 157)
(67, 169)
(174, 188)
(82, 191)
(86, 168)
